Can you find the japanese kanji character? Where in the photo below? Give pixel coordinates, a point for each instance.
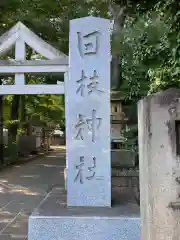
(88, 44)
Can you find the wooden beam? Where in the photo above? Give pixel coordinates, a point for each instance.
(14, 62)
(38, 44)
(20, 54)
(47, 66)
(33, 89)
(8, 39)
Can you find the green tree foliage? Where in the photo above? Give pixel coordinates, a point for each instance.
(149, 46)
(50, 20)
(146, 46)
(150, 50)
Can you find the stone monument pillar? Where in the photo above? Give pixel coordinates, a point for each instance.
(158, 120)
(88, 213)
(88, 113)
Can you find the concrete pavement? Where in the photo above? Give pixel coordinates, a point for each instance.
(23, 187)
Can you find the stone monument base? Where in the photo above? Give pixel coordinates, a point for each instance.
(52, 220)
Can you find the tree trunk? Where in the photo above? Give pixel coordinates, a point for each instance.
(14, 116)
(115, 72)
(119, 17)
(23, 112)
(1, 129)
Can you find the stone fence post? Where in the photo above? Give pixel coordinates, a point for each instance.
(158, 123)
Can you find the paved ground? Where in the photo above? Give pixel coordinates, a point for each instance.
(22, 188)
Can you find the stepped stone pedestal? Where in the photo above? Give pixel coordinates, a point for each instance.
(54, 221)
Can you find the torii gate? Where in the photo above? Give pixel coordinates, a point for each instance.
(57, 62)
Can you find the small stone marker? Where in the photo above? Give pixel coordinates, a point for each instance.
(88, 114)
